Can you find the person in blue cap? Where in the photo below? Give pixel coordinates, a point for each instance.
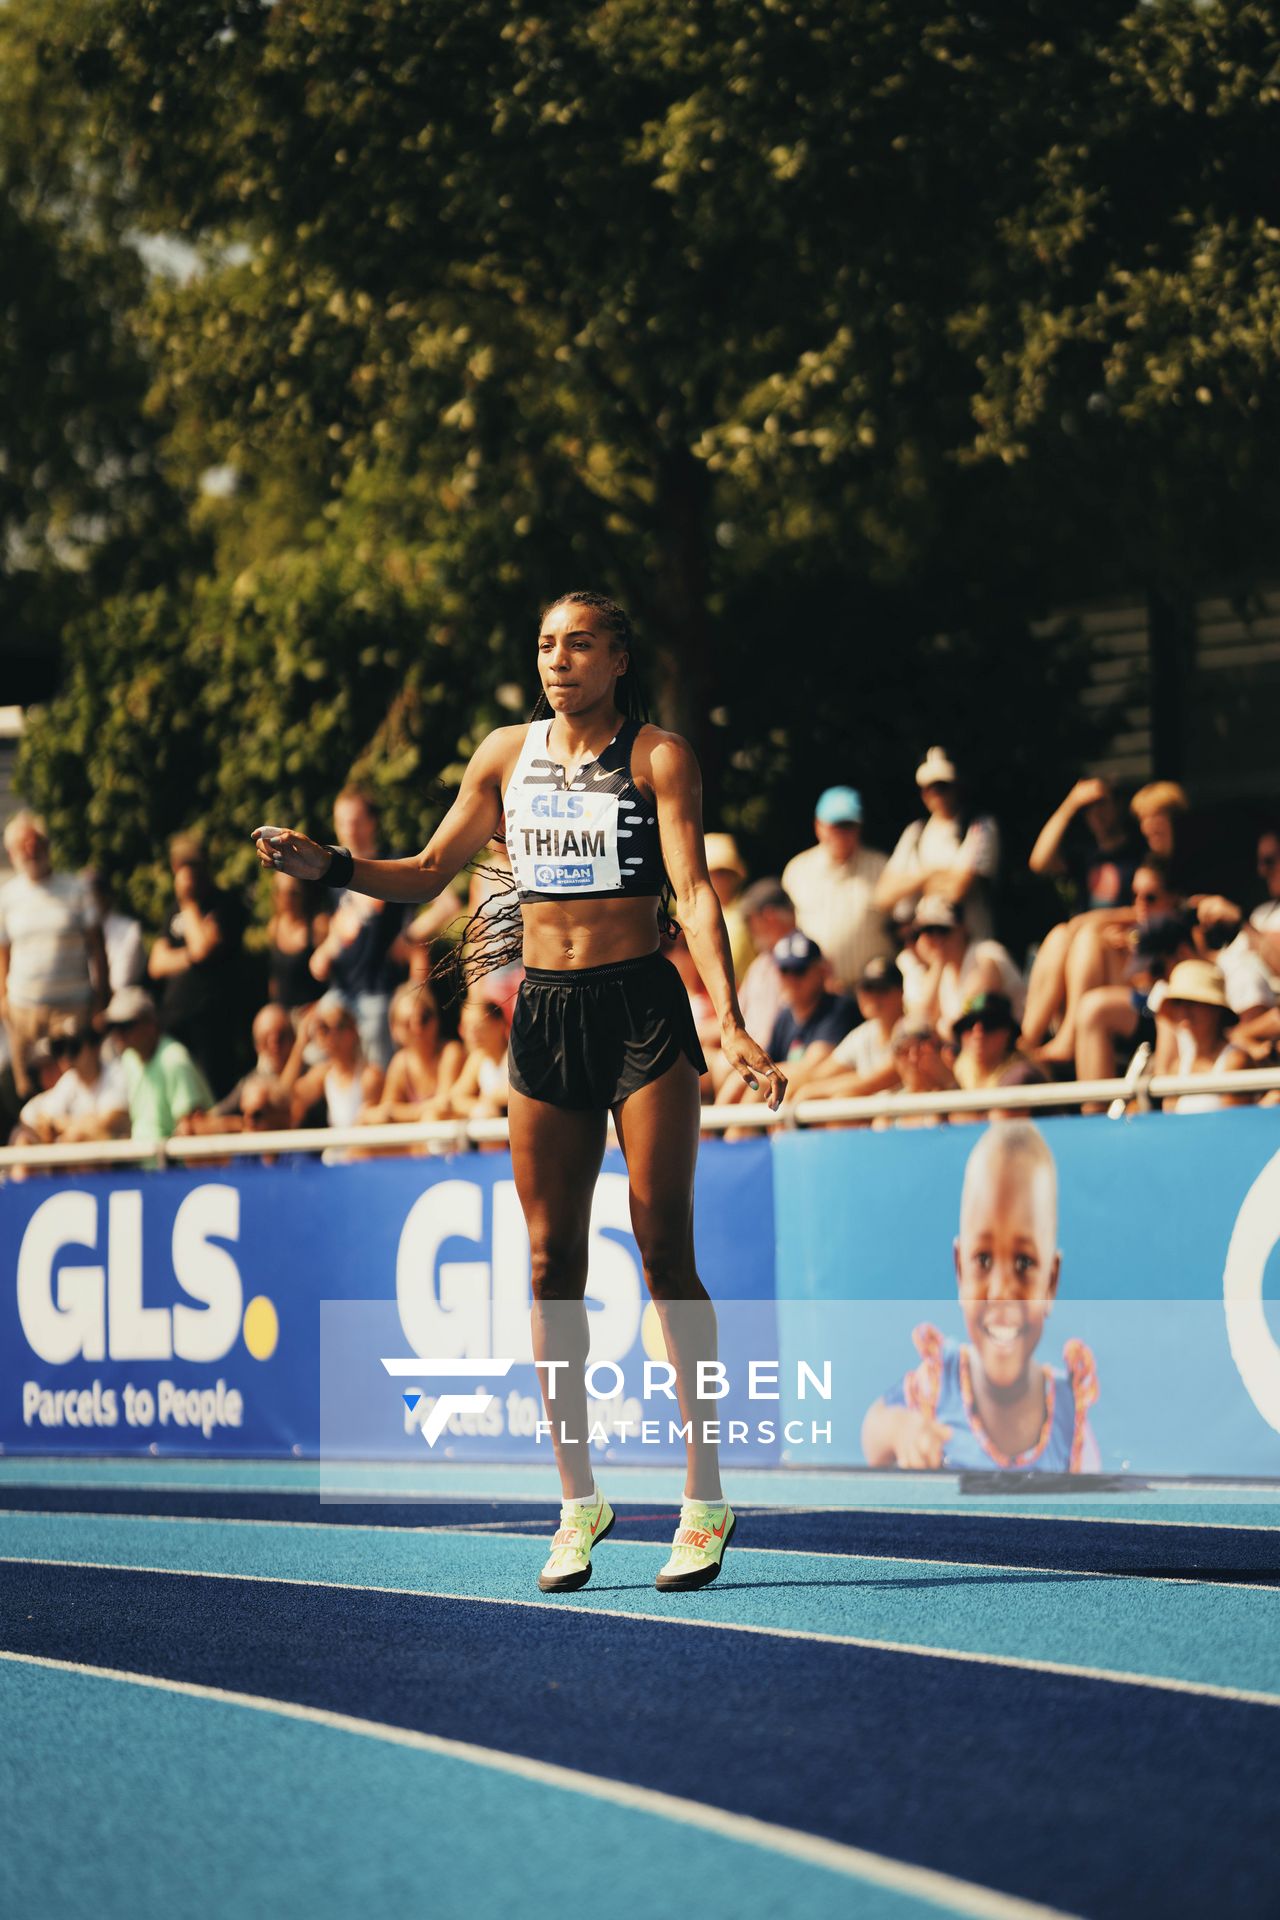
(832, 885)
(813, 1020)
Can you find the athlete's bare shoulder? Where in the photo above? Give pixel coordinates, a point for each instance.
(663, 759)
(494, 759)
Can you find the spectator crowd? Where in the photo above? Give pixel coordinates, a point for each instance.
(864, 973)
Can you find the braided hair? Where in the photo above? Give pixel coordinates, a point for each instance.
(493, 936)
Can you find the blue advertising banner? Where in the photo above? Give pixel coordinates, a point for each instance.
(1131, 1259)
(181, 1311)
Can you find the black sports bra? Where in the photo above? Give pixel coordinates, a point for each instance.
(588, 838)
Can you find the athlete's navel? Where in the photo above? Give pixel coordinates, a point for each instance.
(570, 951)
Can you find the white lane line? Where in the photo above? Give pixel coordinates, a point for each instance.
(1116, 1676)
(503, 1530)
(963, 1897)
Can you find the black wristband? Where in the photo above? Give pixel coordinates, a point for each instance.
(340, 868)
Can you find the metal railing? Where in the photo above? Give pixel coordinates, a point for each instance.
(455, 1136)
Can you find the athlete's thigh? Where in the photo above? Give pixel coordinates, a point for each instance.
(555, 1157)
(658, 1129)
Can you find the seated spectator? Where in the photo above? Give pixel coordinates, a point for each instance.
(342, 1079)
(864, 1061)
(165, 1086)
(1098, 951)
(265, 1104)
(952, 854)
(87, 1099)
(728, 877)
(52, 959)
(923, 1067)
(296, 928)
(1122, 1017)
(422, 1073)
(832, 886)
(946, 968)
(364, 955)
(769, 914)
(45, 1066)
(813, 1019)
(197, 960)
(1158, 808)
(1099, 864)
(278, 1058)
(705, 1017)
(122, 935)
(1196, 1007)
(1248, 950)
(481, 1090)
(987, 1033)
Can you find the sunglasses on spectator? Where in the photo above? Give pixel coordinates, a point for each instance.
(67, 1045)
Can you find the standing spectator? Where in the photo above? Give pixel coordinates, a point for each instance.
(364, 954)
(165, 1085)
(864, 1062)
(88, 1100)
(950, 855)
(833, 888)
(296, 928)
(52, 958)
(121, 933)
(728, 877)
(421, 1075)
(197, 961)
(947, 968)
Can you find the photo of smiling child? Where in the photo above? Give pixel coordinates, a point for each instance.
(986, 1401)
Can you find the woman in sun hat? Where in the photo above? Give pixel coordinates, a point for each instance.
(1195, 1002)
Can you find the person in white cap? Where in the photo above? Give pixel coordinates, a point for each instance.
(164, 1084)
(832, 886)
(950, 855)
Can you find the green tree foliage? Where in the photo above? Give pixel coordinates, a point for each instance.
(842, 341)
(81, 504)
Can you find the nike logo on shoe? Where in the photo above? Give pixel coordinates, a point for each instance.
(719, 1531)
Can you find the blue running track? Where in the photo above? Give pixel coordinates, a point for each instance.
(232, 1689)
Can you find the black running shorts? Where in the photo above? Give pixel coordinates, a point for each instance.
(586, 1037)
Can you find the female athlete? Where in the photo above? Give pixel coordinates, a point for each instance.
(599, 811)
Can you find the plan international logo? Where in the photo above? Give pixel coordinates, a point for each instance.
(447, 1404)
(564, 876)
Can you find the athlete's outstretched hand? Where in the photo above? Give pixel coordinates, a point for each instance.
(755, 1066)
(282, 851)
